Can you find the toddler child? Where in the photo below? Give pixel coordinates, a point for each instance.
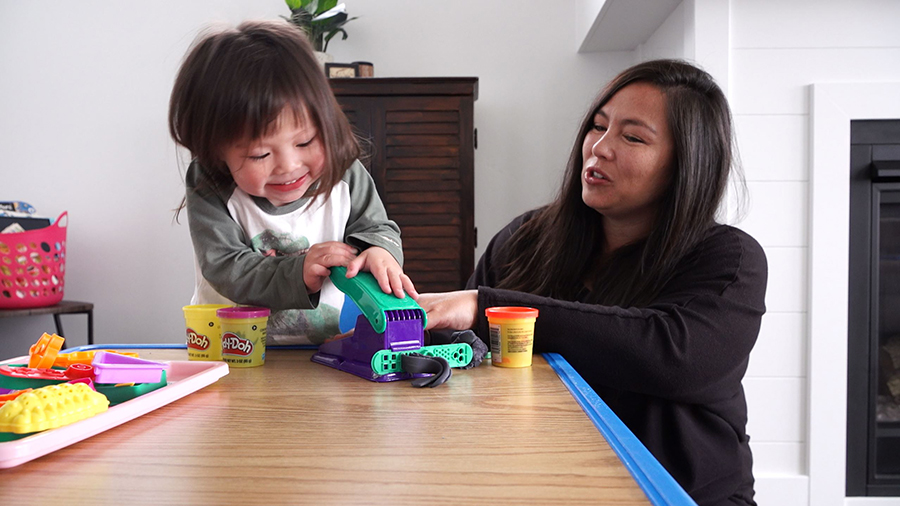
(275, 195)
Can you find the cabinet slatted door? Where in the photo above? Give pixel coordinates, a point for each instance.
(418, 135)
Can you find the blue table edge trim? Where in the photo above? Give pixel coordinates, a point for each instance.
(650, 475)
(659, 486)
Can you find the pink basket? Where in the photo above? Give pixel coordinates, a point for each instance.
(32, 265)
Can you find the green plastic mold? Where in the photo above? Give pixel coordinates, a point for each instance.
(118, 395)
(457, 355)
(16, 383)
(365, 292)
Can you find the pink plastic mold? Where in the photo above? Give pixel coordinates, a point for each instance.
(115, 368)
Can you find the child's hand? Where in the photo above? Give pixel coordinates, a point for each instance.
(386, 270)
(320, 258)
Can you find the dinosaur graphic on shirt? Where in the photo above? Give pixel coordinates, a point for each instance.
(316, 324)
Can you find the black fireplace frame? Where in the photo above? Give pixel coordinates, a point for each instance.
(874, 179)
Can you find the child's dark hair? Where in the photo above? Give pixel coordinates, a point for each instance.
(235, 82)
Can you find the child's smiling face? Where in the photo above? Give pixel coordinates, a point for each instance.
(281, 165)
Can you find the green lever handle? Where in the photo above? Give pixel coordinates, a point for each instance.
(366, 293)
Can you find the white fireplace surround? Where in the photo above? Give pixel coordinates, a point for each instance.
(833, 106)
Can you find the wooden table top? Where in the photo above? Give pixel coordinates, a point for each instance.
(296, 432)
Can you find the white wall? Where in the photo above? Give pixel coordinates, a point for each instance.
(83, 99)
(668, 41)
(777, 50)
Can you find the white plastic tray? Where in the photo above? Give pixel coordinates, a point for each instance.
(182, 378)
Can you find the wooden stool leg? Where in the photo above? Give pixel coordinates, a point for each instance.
(90, 315)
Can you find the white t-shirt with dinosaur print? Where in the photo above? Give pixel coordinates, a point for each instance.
(254, 251)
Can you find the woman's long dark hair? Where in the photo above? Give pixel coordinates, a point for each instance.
(235, 82)
(556, 252)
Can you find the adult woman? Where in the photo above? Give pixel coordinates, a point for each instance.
(655, 304)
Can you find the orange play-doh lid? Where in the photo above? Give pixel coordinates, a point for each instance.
(511, 312)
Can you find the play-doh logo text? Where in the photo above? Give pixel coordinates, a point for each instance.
(197, 341)
(233, 344)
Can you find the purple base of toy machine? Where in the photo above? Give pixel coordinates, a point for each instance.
(403, 332)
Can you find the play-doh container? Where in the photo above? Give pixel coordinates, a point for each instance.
(512, 335)
(204, 332)
(244, 335)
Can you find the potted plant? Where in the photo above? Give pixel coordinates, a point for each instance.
(321, 20)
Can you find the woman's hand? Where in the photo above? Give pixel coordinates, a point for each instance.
(450, 310)
(386, 270)
(321, 258)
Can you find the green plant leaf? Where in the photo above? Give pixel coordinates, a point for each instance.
(302, 20)
(331, 14)
(318, 31)
(328, 24)
(332, 34)
(325, 5)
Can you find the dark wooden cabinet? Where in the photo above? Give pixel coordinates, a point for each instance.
(419, 140)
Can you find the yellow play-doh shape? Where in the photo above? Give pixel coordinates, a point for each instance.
(51, 407)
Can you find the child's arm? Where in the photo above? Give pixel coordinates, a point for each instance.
(369, 228)
(229, 263)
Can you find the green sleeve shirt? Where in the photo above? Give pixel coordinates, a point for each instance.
(248, 251)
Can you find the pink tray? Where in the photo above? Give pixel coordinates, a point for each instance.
(183, 378)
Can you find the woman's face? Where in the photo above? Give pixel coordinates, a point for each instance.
(628, 156)
(281, 165)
